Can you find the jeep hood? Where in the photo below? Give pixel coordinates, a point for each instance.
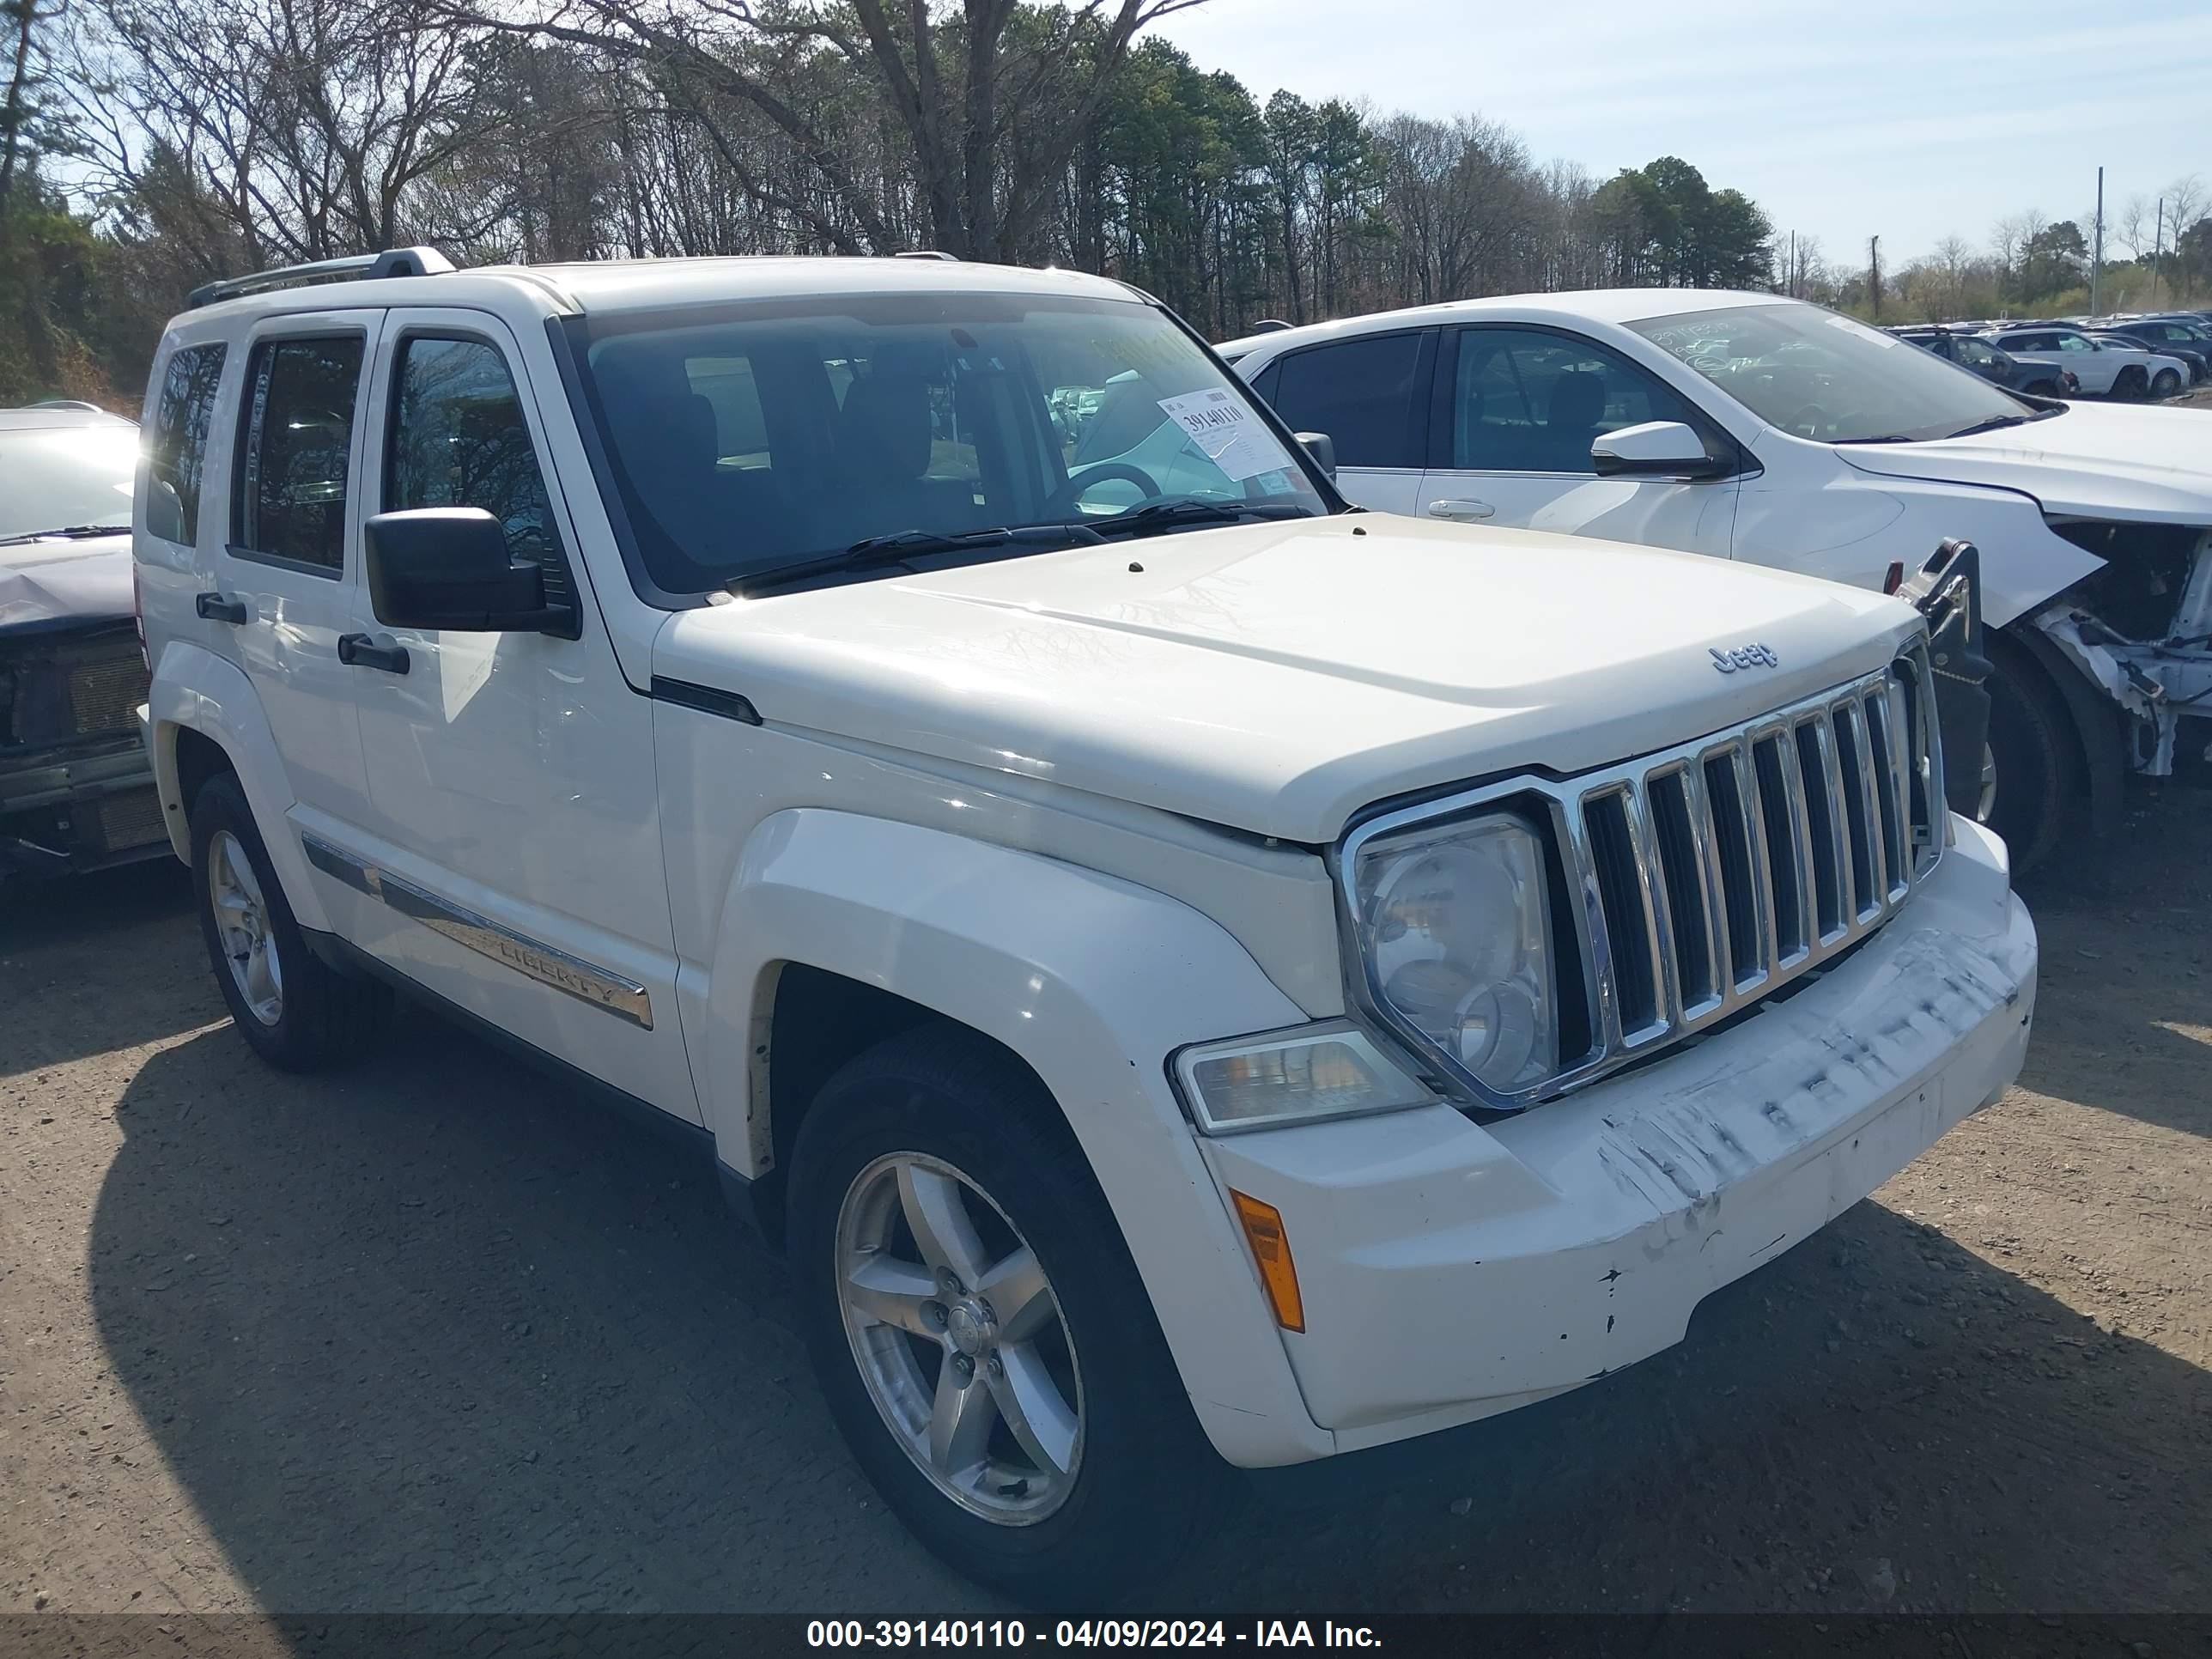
(62, 583)
(2096, 461)
(1278, 678)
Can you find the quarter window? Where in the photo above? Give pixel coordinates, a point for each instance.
(458, 438)
(296, 473)
(1361, 393)
(178, 447)
(1524, 401)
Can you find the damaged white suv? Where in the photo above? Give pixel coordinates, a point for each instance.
(1763, 429)
(1211, 979)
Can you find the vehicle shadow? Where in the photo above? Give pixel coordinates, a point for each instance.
(1881, 1421)
(437, 1336)
(2123, 1020)
(75, 956)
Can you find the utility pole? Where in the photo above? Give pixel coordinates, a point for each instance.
(2097, 246)
(1874, 274)
(2157, 249)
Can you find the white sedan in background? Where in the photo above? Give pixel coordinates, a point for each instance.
(2106, 369)
(1753, 427)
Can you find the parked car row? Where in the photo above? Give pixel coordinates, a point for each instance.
(1980, 356)
(1769, 431)
(2104, 366)
(1142, 934)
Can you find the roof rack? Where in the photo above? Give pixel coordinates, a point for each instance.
(392, 262)
(927, 253)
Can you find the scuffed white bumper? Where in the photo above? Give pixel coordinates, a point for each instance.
(1451, 1271)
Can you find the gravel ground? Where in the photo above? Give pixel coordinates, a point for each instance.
(437, 1336)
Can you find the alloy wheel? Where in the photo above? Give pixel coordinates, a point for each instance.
(241, 921)
(959, 1339)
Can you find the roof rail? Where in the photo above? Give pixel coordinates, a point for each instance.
(392, 262)
(1269, 326)
(927, 253)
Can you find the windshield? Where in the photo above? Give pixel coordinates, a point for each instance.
(1817, 374)
(61, 477)
(766, 433)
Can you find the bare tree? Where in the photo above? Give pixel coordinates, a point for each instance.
(289, 130)
(991, 101)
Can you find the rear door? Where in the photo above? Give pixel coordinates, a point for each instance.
(1371, 395)
(512, 835)
(283, 581)
(1520, 409)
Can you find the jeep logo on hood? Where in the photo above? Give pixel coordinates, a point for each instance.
(1744, 656)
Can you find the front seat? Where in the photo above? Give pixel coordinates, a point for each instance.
(1571, 419)
(885, 433)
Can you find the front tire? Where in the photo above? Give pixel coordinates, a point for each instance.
(982, 1336)
(2167, 383)
(2032, 784)
(294, 1010)
(2131, 383)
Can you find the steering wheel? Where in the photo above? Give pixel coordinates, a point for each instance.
(1808, 421)
(1063, 500)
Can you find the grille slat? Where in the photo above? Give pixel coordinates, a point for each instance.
(1741, 875)
(1717, 872)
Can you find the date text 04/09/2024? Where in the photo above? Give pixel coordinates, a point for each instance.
(950, 1633)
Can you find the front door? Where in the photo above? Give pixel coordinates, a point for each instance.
(1525, 406)
(513, 836)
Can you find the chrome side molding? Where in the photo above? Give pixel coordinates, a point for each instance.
(534, 959)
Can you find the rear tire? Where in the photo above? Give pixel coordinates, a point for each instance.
(293, 1009)
(2132, 383)
(2037, 766)
(939, 1110)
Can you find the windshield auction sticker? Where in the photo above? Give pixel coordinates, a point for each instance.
(1222, 425)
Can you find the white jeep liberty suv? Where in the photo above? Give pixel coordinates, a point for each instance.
(1190, 974)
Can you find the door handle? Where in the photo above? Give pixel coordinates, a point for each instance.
(1461, 512)
(213, 607)
(358, 651)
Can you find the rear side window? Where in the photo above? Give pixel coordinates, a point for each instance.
(178, 449)
(295, 468)
(1361, 393)
(458, 438)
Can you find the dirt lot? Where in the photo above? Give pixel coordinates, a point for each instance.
(437, 1336)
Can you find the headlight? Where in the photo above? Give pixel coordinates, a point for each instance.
(1455, 923)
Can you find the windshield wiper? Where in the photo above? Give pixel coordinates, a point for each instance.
(874, 552)
(66, 533)
(1996, 420)
(1171, 515)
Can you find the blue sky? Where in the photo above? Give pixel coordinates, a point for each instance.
(1911, 121)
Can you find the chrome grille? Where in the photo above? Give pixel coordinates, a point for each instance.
(1713, 873)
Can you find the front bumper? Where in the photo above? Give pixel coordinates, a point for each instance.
(1451, 1271)
(86, 807)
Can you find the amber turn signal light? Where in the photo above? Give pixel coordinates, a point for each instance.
(1271, 1250)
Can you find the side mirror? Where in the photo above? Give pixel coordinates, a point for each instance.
(164, 513)
(448, 567)
(1321, 450)
(1656, 449)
